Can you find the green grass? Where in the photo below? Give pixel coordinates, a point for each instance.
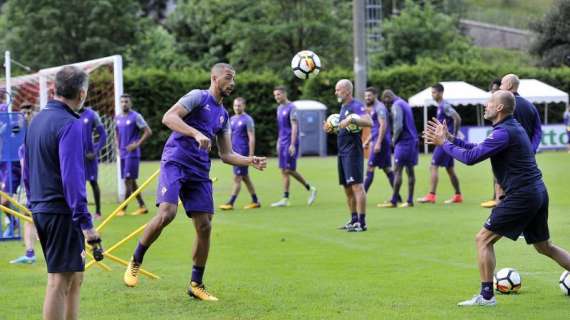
(510, 13)
(291, 263)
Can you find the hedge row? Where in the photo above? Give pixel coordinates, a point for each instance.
(154, 91)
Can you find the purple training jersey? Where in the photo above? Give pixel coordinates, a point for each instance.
(379, 110)
(285, 114)
(241, 124)
(403, 122)
(445, 112)
(206, 116)
(129, 127)
(91, 122)
(567, 120)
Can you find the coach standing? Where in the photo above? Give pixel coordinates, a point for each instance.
(55, 176)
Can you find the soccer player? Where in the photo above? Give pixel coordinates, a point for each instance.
(524, 208)
(351, 154)
(379, 139)
(405, 141)
(132, 132)
(567, 124)
(54, 175)
(243, 142)
(196, 119)
(30, 234)
(493, 87)
(445, 111)
(92, 122)
(288, 146)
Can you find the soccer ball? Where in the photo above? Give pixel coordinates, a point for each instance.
(306, 64)
(507, 280)
(353, 128)
(565, 283)
(332, 122)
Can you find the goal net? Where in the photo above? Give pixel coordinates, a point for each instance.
(105, 89)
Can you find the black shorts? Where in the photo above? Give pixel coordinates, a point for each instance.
(350, 170)
(62, 242)
(521, 213)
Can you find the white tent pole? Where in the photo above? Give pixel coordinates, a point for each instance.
(425, 126)
(546, 113)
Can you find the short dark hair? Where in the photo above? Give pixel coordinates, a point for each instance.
(280, 88)
(69, 81)
(373, 90)
(496, 82)
(438, 87)
(126, 96)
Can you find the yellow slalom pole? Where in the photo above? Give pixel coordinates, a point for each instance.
(120, 243)
(125, 263)
(99, 263)
(15, 203)
(17, 214)
(129, 199)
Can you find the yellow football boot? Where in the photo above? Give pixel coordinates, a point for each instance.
(121, 213)
(226, 206)
(253, 205)
(140, 211)
(489, 204)
(406, 205)
(198, 291)
(131, 274)
(386, 205)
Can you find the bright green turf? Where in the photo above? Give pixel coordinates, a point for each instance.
(292, 263)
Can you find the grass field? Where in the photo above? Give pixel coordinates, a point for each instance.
(292, 263)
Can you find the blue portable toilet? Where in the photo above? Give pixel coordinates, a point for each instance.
(312, 139)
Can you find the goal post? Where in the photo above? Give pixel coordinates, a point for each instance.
(105, 90)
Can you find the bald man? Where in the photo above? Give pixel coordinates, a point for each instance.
(524, 209)
(405, 141)
(351, 154)
(195, 120)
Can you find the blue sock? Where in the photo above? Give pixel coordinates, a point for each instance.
(254, 198)
(487, 290)
(286, 194)
(362, 219)
(410, 198)
(197, 274)
(368, 180)
(390, 176)
(232, 199)
(30, 253)
(353, 217)
(139, 253)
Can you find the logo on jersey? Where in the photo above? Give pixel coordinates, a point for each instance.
(349, 180)
(221, 119)
(83, 254)
(207, 107)
(128, 122)
(284, 113)
(86, 120)
(163, 190)
(240, 123)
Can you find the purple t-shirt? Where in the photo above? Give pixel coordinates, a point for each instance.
(3, 107)
(241, 124)
(567, 120)
(403, 122)
(350, 144)
(129, 129)
(91, 121)
(379, 110)
(206, 116)
(285, 114)
(445, 112)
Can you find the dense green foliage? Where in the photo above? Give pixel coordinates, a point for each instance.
(292, 263)
(553, 40)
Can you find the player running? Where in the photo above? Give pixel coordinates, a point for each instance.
(445, 112)
(196, 119)
(288, 146)
(243, 142)
(524, 209)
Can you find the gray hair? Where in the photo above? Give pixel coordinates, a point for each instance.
(69, 81)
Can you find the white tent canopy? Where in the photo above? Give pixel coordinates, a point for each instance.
(539, 92)
(455, 92)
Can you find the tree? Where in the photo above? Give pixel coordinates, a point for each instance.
(263, 34)
(421, 32)
(552, 43)
(155, 47)
(55, 32)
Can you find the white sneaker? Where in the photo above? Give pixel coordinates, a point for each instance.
(313, 196)
(281, 203)
(477, 301)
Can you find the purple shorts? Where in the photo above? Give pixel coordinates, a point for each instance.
(91, 170)
(130, 168)
(382, 159)
(440, 158)
(11, 187)
(286, 161)
(406, 154)
(241, 171)
(174, 183)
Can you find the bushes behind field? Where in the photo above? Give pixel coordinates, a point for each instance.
(154, 91)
